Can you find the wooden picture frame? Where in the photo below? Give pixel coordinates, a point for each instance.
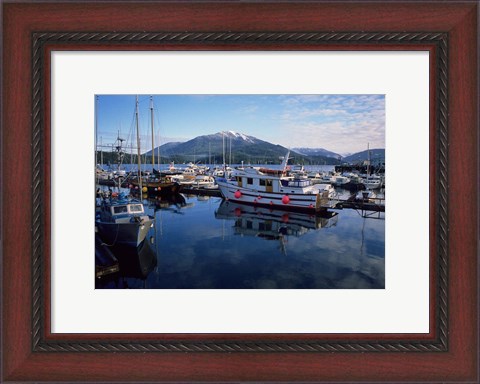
(448, 30)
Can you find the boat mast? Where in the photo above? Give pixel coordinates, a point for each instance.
(368, 164)
(284, 164)
(153, 144)
(138, 148)
(230, 157)
(223, 148)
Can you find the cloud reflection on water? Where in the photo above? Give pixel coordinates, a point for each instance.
(198, 250)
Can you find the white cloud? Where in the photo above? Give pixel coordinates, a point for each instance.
(341, 123)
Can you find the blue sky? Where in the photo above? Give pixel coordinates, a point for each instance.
(339, 123)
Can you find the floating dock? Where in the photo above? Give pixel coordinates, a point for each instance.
(376, 204)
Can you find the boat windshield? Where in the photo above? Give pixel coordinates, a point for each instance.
(136, 208)
(119, 209)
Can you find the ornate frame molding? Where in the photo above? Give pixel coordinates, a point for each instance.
(249, 39)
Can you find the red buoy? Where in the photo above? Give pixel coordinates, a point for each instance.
(238, 194)
(285, 199)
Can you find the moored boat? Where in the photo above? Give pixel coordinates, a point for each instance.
(372, 182)
(276, 189)
(162, 186)
(122, 221)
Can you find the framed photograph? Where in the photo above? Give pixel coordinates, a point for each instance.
(240, 195)
(198, 192)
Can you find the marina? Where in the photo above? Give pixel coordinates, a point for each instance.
(201, 242)
(201, 239)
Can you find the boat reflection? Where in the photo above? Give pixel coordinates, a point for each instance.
(134, 265)
(273, 224)
(164, 202)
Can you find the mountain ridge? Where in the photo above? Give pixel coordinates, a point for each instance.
(238, 147)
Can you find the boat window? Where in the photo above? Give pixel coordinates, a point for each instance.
(239, 179)
(120, 209)
(249, 180)
(262, 182)
(269, 183)
(136, 208)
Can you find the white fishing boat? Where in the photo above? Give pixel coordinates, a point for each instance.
(276, 189)
(339, 180)
(204, 181)
(122, 221)
(372, 182)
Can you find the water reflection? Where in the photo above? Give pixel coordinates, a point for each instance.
(135, 264)
(207, 243)
(272, 224)
(174, 201)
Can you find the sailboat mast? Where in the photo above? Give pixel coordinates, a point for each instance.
(153, 143)
(368, 164)
(223, 148)
(138, 147)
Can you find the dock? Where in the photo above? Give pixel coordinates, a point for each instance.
(374, 204)
(364, 206)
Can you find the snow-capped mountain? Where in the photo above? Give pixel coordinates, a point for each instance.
(316, 152)
(242, 148)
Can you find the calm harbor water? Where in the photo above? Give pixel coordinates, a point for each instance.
(207, 243)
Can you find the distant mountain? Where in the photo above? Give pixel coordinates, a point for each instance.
(316, 152)
(166, 147)
(249, 149)
(376, 156)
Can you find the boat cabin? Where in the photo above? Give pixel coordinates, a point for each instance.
(126, 209)
(261, 182)
(111, 212)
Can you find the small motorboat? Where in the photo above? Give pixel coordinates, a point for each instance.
(122, 221)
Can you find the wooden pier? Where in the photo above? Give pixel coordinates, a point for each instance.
(373, 204)
(364, 206)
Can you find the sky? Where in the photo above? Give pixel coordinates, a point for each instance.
(342, 124)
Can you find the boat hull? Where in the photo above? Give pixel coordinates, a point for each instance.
(123, 233)
(314, 202)
(159, 188)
